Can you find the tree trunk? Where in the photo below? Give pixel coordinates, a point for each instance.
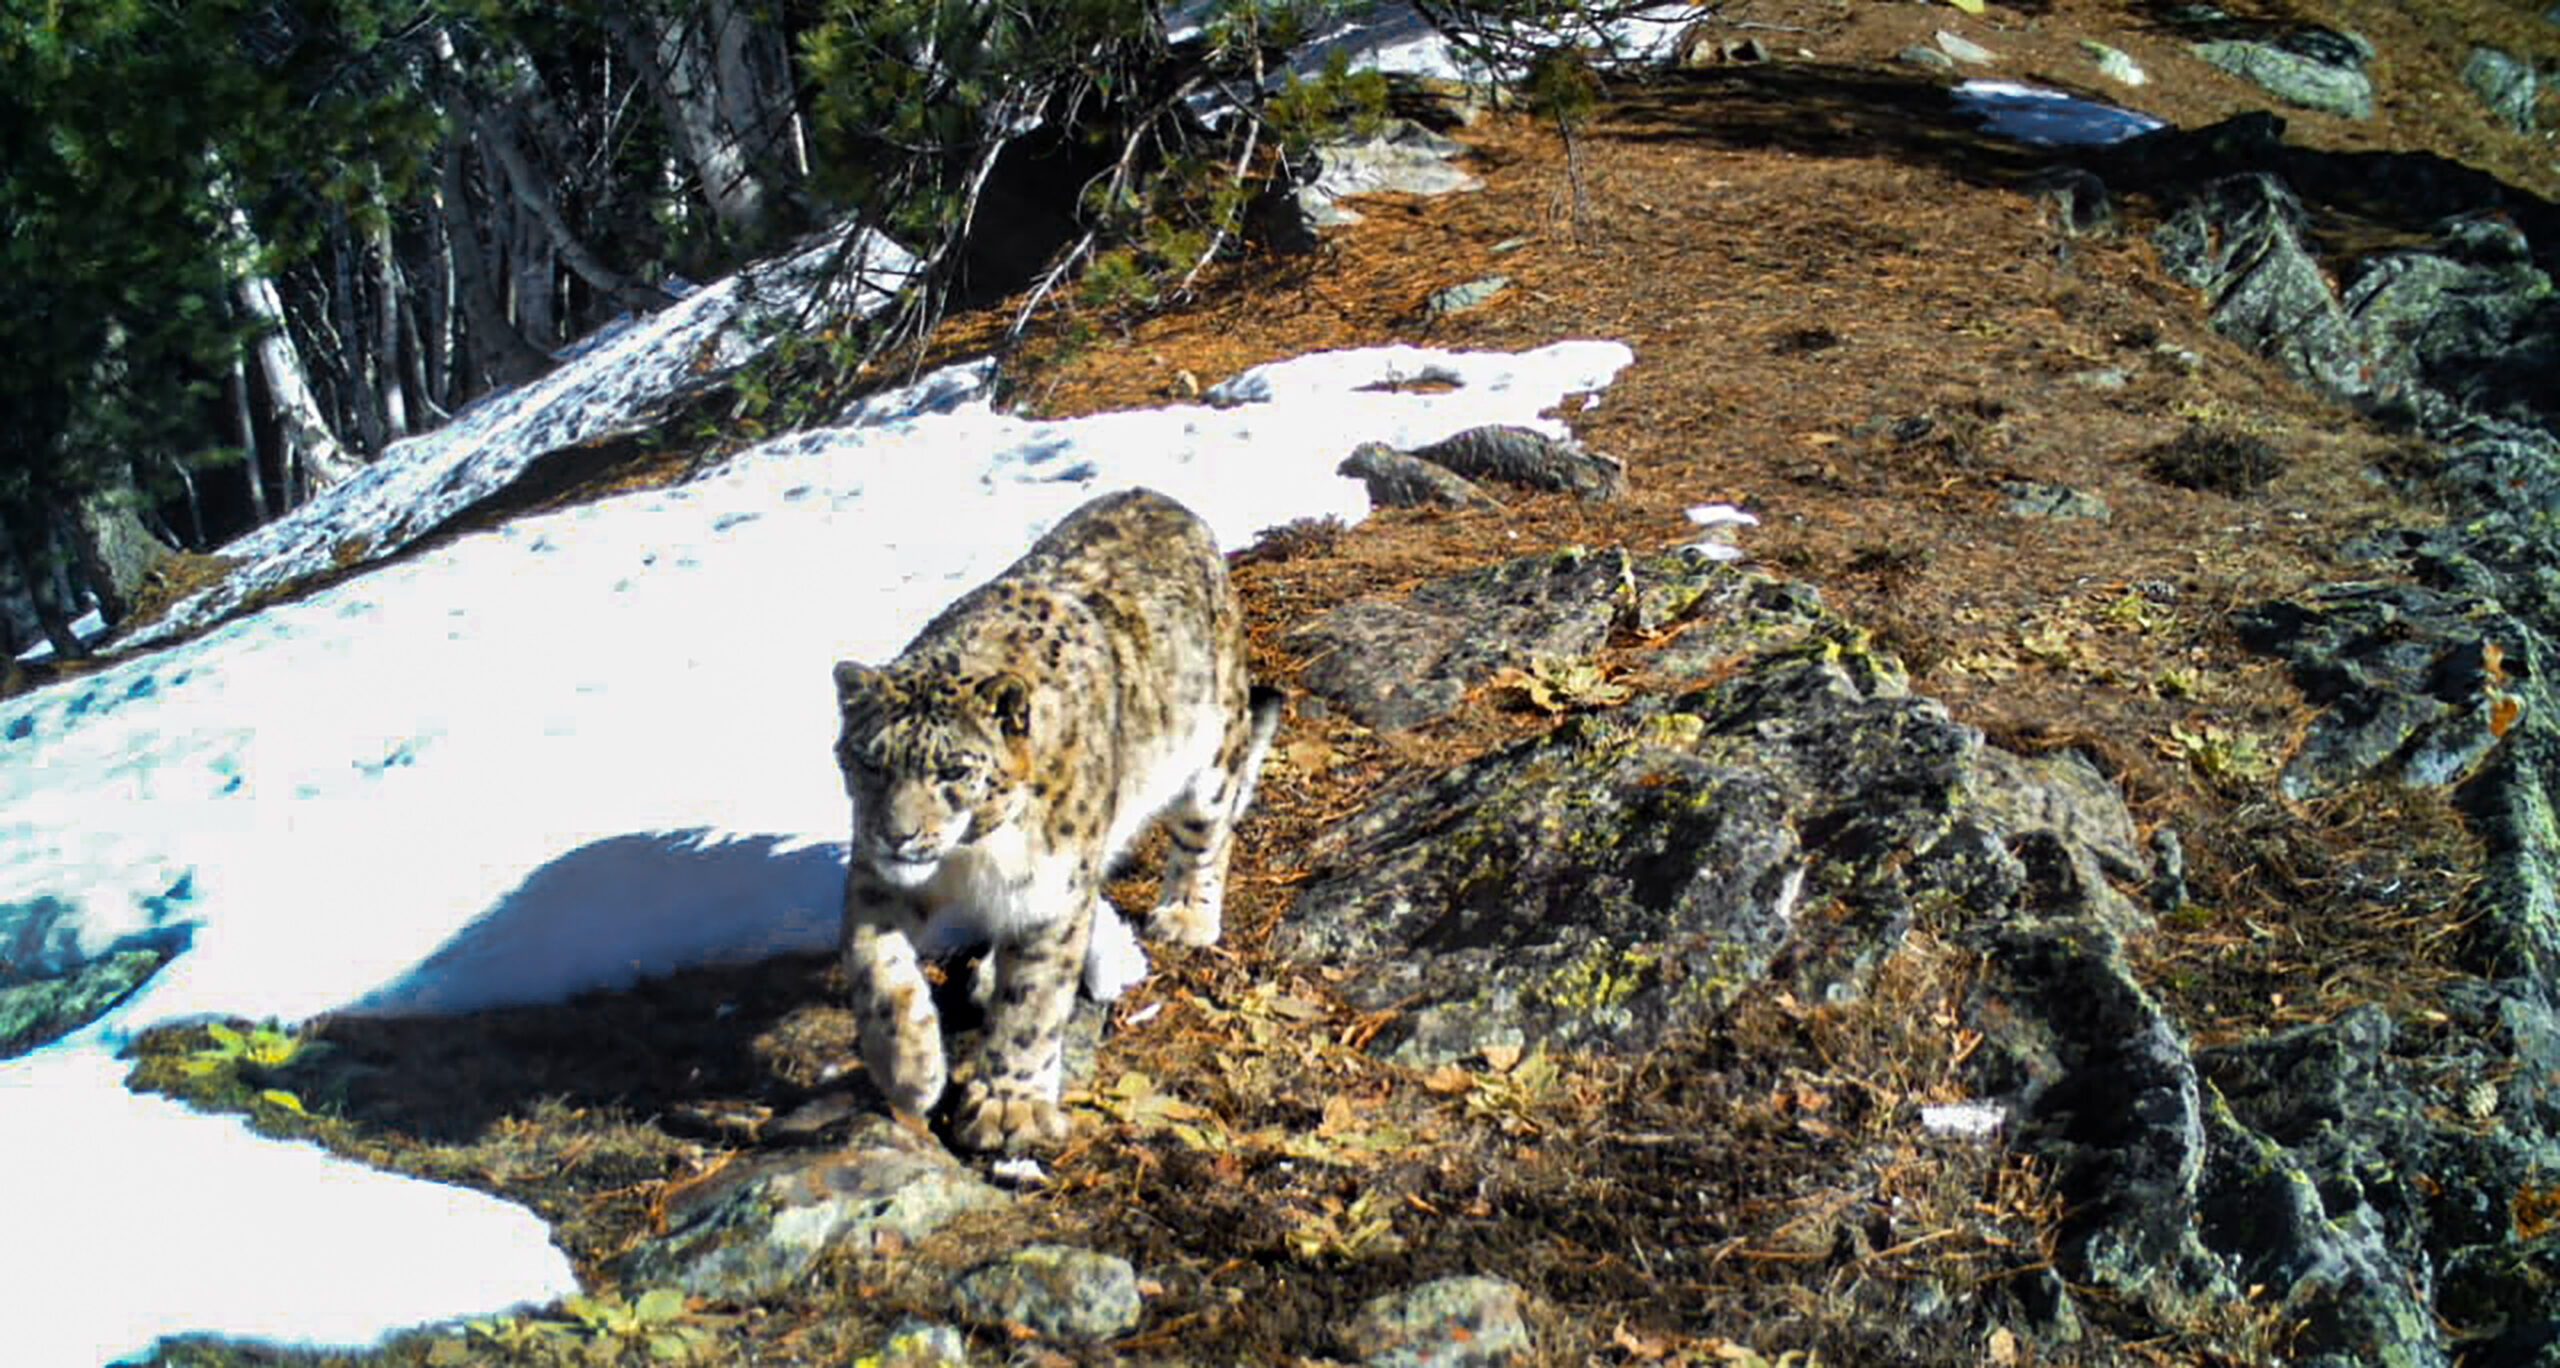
(308, 444)
(430, 341)
(674, 61)
(238, 384)
(529, 270)
(390, 296)
(755, 82)
(116, 552)
(498, 137)
(28, 548)
(195, 503)
(361, 400)
(499, 353)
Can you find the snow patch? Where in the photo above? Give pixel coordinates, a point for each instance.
(2049, 118)
(581, 748)
(616, 376)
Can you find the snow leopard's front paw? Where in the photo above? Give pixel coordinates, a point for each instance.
(1010, 1120)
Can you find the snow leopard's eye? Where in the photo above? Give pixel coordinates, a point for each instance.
(954, 774)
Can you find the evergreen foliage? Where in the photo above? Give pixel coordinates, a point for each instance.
(116, 309)
(425, 197)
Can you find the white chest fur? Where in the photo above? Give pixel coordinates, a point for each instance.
(993, 890)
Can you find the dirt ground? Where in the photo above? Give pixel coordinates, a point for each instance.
(1854, 317)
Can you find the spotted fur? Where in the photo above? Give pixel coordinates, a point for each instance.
(1016, 747)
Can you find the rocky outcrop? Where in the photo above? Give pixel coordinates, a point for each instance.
(2412, 682)
(1644, 864)
(39, 1012)
(2323, 1175)
(1402, 661)
(1636, 868)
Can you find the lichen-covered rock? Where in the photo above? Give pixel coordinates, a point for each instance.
(1399, 662)
(760, 1225)
(1398, 480)
(1530, 459)
(2315, 68)
(2314, 1186)
(1450, 1323)
(37, 1013)
(1722, 614)
(2505, 83)
(2414, 682)
(2246, 242)
(1587, 890)
(1637, 868)
(1055, 1291)
(2036, 499)
(914, 1343)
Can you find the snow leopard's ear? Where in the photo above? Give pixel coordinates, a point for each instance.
(1008, 699)
(853, 681)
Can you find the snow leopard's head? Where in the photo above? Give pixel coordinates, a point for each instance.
(932, 758)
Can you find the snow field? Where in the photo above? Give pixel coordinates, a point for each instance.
(584, 748)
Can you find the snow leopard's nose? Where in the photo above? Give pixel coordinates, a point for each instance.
(914, 828)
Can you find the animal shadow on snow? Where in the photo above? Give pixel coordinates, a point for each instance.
(463, 1041)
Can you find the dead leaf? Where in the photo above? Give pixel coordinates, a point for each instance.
(1646, 1349)
(2003, 1348)
(1552, 684)
(1310, 755)
(1448, 1080)
(1500, 1058)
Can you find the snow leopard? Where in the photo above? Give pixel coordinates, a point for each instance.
(1000, 764)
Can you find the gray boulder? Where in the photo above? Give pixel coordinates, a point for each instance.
(1397, 480)
(1402, 156)
(2315, 68)
(2505, 83)
(760, 1226)
(2036, 499)
(1451, 1323)
(1402, 661)
(1056, 1291)
(1530, 459)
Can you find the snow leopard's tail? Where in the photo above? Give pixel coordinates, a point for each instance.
(1266, 705)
